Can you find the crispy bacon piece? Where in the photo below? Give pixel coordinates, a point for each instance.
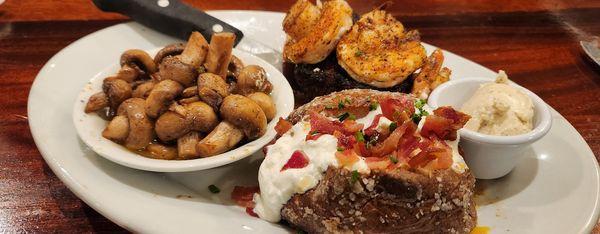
(283, 126)
(320, 125)
(398, 110)
(390, 144)
(243, 195)
(444, 123)
(297, 160)
(434, 150)
(373, 127)
(345, 141)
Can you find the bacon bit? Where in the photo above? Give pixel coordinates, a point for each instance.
(243, 195)
(350, 126)
(421, 159)
(347, 158)
(361, 149)
(321, 124)
(378, 163)
(345, 141)
(444, 123)
(390, 144)
(373, 127)
(250, 211)
(297, 160)
(433, 150)
(398, 110)
(406, 146)
(283, 126)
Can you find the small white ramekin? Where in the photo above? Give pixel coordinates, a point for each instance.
(488, 156)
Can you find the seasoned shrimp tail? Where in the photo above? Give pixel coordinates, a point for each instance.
(314, 30)
(431, 75)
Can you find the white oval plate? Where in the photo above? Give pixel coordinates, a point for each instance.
(554, 189)
(90, 126)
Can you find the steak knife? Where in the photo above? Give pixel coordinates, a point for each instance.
(177, 19)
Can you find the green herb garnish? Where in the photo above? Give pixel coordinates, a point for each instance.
(299, 231)
(354, 176)
(359, 136)
(347, 101)
(314, 132)
(214, 189)
(346, 115)
(340, 149)
(341, 104)
(373, 106)
(393, 126)
(328, 107)
(393, 159)
(359, 53)
(420, 112)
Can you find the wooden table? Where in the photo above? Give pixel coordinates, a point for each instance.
(536, 42)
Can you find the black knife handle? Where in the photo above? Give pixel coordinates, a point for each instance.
(170, 17)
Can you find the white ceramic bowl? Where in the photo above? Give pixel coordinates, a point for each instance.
(90, 126)
(488, 156)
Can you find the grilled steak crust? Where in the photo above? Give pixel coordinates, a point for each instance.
(398, 201)
(312, 80)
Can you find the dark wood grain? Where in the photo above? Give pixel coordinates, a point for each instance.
(536, 42)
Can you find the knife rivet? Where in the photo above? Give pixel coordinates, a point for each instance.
(163, 3)
(217, 28)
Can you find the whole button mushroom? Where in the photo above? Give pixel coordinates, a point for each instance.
(131, 126)
(161, 96)
(116, 91)
(180, 120)
(169, 50)
(183, 67)
(252, 78)
(136, 58)
(241, 117)
(244, 114)
(265, 102)
(212, 89)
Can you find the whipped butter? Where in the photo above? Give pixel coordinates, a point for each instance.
(497, 108)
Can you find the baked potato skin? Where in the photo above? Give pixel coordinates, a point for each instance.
(398, 201)
(386, 202)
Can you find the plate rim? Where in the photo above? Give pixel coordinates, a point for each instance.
(71, 183)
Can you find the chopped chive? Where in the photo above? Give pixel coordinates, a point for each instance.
(354, 176)
(393, 126)
(347, 100)
(328, 107)
(393, 159)
(340, 149)
(359, 53)
(314, 132)
(214, 189)
(344, 116)
(373, 106)
(360, 136)
(341, 105)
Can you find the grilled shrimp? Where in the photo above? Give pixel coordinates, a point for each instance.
(314, 30)
(431, 75)
(377, 51)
